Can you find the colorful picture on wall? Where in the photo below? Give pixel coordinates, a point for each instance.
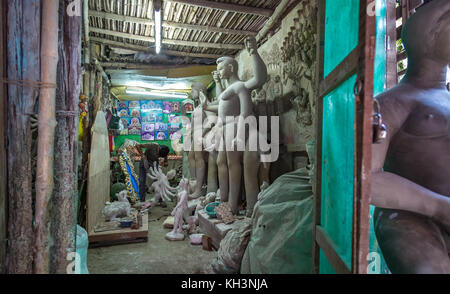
(167, 107)
(122, 104)
(136, 130)
(161, 136)
(123, 112)
(135, 112)
(148, 105)
(135, 122)
(148, 127)
(174, 126)
(174, 118)
(188, 107)
(134, 104)
(175, 135)
(161, 127)
(176, 107)
(124, 122)
(148, 136)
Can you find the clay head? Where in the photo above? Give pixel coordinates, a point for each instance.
(427, 33)
(227, 67)
(196, 89)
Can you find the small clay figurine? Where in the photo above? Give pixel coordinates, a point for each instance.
(177, 233)
(117, 209)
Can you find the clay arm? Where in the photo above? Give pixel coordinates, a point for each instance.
(259, 67)
(389, 190)
(213, 107)
(219, 88)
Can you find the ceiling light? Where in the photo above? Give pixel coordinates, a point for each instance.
(158, 30)
(158, 94)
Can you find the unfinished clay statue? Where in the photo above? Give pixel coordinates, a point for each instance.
(177, 233)
(235, 101)
(412, 193)
(117, 209)
(197, 155)
(162, 187)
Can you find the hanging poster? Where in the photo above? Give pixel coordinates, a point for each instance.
(161, 136)
(124, 122)
(176, 107)
(148, 136)
(123, 112)
(161, 127)
(148, 127)
(174, 126)
(135, 112)
(175, 135)
(122, 104)
(134, 104)
(174, 118)
(135, 126)
(167, 107)
(188, 106)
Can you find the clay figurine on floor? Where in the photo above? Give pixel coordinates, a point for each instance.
(411, 167)
(177, 233)
(162, 187)
(117, 209)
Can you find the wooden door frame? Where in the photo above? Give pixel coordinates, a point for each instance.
(361, 62)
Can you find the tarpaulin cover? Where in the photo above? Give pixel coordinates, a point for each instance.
(281, 237)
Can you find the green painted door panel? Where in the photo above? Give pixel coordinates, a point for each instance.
(338, 151)
(341, 31)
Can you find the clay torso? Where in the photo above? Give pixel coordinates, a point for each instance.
(229, 101)
(420, 150)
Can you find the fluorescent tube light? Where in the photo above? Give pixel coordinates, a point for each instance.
(157, 94)
(158, 31)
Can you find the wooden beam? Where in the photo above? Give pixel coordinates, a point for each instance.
(276, 16)
(227, 7)
(150, 49)
(168, 41)
(341, 73)
(330, 249)
(169, 24)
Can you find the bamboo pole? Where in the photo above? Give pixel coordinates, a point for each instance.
(46, 128)
(64, 200)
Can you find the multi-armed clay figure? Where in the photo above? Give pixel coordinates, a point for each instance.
(161, 185)
(177, 233)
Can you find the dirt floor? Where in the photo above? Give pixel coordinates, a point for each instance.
(156, 256)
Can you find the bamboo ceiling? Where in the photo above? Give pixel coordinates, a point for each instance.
(190, 28)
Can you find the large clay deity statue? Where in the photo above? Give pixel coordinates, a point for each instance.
(411, 168)
(201, 124)
(234, 106)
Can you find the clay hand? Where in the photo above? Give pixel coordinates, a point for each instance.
(172, 213)
(216, 77)
(250, 45)
(203, 100)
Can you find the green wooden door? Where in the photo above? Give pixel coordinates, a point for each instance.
(344, 120)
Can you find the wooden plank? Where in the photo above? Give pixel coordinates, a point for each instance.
(226, 7)
(363, 155)
(329, 249)
(341, 73)
(123, 235)
(167, 41)
(150, 49)
(318, 131)
(169, 24)
(3, 121)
